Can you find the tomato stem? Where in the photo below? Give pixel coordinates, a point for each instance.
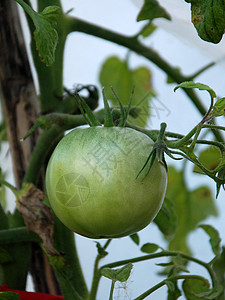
(112, 290)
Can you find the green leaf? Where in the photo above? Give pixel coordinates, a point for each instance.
(45, 34)
(166, 219)
(191, 206)
(108, 273)
(148, 30)
(210, 158)
(219, 108)
(135, 238)
(197, 85)
(116, 73)
(170, 263)
(152, 10)
(191, 287)
(123, 273)
(101, 250)
(211, 294)
(9, 296)
(214, 238)
(208, 18)
(218, 267)
(149, 248)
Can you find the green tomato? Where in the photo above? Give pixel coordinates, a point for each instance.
(92, 182)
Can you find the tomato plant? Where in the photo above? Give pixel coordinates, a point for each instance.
(107, 181)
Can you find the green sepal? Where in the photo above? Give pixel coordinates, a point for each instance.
(108, 115)
(86, 111)
(219, 108)
(122, 111)
(150, 158)
(197, 85)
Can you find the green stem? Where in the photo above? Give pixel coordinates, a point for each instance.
(71, 273)
(107, 243)
(195, 161)
(199, 72)
(64, 277)
(18, 234)
(207, 116)
(97, 273)
(211, 126)
(162, 132)
(108, 122)
(153, 134)
(164, 282)
(10, 186)
(180, 139)
(164, 254)
(96, 279)
(195, 139)
(112, 290)
(43, 148)
(184, 140)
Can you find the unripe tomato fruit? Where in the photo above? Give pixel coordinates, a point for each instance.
(92, 182)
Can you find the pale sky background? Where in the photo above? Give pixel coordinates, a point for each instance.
(181, 47)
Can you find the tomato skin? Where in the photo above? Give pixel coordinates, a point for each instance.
(92, 186)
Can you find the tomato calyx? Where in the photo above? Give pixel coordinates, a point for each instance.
(158, 152)
(121, 114)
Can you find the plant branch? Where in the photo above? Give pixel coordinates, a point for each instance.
(43, 148)
(164, 282)
(180, 139)
(97, 273)
(199, 72)
(112, 290)
(132, 43)
(96, 279)
(164, 254)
